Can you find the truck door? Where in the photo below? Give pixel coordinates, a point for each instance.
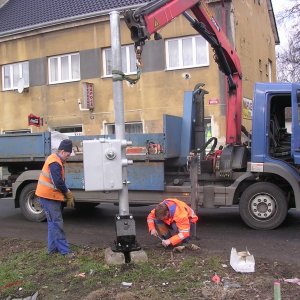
(295, 141)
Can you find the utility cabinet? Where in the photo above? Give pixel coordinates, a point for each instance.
(102, 163)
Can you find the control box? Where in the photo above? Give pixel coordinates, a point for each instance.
(102, 163)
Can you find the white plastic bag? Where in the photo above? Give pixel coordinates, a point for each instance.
(56, 138)
(242, 261)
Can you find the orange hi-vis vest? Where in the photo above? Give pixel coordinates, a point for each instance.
(45, 187)
(181, 214)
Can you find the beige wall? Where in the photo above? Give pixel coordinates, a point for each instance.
(155, 94)
(255, 44)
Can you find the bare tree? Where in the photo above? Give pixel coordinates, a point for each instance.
(288, 60)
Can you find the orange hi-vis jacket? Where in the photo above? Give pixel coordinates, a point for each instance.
(45, 187)
(181, 214)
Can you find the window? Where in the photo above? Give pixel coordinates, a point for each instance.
(208, 126)
(208, 129)
(16, 131)
(269, 70)
(12, 73)
(288, 119)
(75, 130)
(128, 60)
(260, 69)
(64, 68)
(132, 127)
(187, 52)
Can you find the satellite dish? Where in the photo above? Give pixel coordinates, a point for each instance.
(21, 84)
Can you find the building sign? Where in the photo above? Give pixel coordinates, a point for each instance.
(35, 120)
(247, 108)
(88, 95)
(213, 101)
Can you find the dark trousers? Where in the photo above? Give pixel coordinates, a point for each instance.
(56, 236)
(166, 231)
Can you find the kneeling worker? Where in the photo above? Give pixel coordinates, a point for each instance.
(171, 216)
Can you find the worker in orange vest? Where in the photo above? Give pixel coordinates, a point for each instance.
(171, 216)
(53, 191)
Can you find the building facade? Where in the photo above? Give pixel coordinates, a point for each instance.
(56, 66)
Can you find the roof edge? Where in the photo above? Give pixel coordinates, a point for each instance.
(64, 20)
(3, 2)
(273, 22)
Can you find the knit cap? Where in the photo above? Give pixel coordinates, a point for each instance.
(65, 145)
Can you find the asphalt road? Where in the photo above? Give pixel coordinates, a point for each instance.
(217, 232)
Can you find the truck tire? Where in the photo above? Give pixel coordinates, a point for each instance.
(29, 204)
(263, 205)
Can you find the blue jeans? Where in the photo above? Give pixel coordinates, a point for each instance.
(56, 237)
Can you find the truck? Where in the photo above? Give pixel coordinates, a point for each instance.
(261, 176)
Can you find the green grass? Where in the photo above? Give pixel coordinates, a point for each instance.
(166, 275)
(18, 268)
(176, 276)
(35, 269)
(214, 263)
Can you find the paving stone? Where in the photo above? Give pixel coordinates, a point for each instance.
(114, 258)
(138, 256)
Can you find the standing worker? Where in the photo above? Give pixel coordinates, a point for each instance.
(52, 191)
(172, 220)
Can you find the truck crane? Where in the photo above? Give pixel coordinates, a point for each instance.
(148, 19)
(248, 185)
(262, 178)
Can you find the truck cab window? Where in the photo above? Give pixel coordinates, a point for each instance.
(279, 137)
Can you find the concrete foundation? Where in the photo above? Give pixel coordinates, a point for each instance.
(138, 256)
(114, 258)
(118, 258)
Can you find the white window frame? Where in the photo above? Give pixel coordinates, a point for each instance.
(17, 131)
(59, 68)
(13, 86)
(128, 62)
(180, 54)
(75, 131)
(112, 125)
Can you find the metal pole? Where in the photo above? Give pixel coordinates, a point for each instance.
(194, 192)
(119, 103)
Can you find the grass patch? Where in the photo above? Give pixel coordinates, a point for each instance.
(33, 270)
(175, 276)
(18, 270)
(214, 263)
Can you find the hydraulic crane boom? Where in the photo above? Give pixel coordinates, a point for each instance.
(149, 18)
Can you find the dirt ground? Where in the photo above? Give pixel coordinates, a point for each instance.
(26, 268)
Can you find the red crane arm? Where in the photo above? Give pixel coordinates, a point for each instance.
(149, 18)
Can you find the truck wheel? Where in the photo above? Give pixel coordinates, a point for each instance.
(263, 205)
(30, 205)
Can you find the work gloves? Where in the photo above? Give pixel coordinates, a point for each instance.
(154, 232)
(69, 199)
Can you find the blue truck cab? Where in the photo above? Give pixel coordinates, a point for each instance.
(274, 164)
